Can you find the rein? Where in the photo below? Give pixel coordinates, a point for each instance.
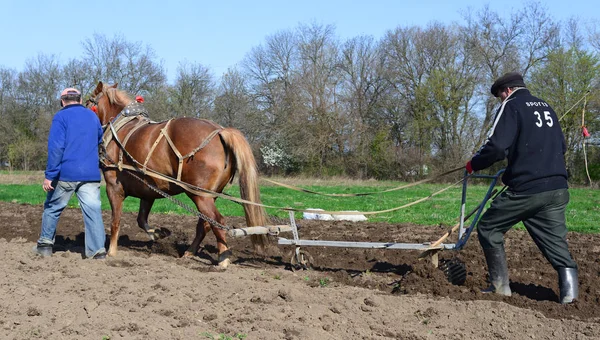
(364, 193)
(206, 192)
(137, 111)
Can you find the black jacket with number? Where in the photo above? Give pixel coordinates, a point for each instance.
(527, 132)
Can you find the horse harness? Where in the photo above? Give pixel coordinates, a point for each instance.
(136, 113)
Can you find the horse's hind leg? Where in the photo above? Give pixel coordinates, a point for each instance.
(142, 220)
(206, 205)
(224, 252)
(143, 213)
(201, 229)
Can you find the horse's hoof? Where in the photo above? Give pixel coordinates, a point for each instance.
(223, 264)
(187, 254)
(161, 233)
(225, 255)
(224, 260)
(150, 233)
(158, 233)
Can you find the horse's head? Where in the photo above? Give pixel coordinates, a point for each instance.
(107, 102)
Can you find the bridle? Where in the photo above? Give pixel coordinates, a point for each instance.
(94, 101)
(132, 109)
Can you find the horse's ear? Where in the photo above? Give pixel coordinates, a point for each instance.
(99, 87)
(115, 85)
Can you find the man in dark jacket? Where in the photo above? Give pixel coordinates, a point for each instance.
(527, 132)
(73, 167)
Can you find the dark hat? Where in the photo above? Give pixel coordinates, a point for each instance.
(510, 79)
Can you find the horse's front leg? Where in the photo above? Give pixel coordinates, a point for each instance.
(115, 197)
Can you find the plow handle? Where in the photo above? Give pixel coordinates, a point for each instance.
(457, 225)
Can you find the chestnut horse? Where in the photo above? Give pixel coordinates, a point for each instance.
(175, 156)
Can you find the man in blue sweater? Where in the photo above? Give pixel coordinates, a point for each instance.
(73, 167)
(527, 132)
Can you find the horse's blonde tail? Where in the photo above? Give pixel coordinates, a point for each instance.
(248, 181)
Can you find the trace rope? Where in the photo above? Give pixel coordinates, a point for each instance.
(111, 131)
(364, 193)
(186, 207)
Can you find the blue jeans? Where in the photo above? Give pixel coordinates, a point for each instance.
(88, 194)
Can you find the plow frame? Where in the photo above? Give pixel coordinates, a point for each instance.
(302, 259)
(463, 236)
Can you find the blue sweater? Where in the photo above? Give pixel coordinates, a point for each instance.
(73, 145)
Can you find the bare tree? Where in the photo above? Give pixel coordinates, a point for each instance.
(408, 62)
(158, 103)
(563, 80)
(357, 103)
(8, 88)
(39, 83)
(77, 73)
(130, 64)
(234, 106)
(593, 38)
(37, 98)
(193, 92)
(271, 74)
(433, 73)
(8, 109)
(320, 139)
(517, 42)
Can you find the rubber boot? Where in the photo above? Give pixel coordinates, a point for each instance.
(568, 284)
(498, 271)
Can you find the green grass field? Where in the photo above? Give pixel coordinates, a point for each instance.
(583, 212)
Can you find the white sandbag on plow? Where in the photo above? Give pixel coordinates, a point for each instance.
(354, 218)
(328, 217)
(316, 216)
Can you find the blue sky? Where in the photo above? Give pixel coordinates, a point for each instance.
(219, 33)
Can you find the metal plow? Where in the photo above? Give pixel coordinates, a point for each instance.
(454, 269)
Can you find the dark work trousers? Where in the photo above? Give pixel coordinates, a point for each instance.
(543, 215)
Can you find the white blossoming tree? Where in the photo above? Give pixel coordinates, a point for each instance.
(275, 158)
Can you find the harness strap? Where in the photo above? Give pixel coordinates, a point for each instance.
(191, 153)
(204, 142)
(114, 132)
(209, 193)
(111, 134)
(141, 122)
(188, 187)
(160, 136)
(175, 150)
(114, 126)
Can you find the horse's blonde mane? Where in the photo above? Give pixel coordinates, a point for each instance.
(117, 97)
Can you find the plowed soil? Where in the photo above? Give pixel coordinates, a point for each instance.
(149, 292)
